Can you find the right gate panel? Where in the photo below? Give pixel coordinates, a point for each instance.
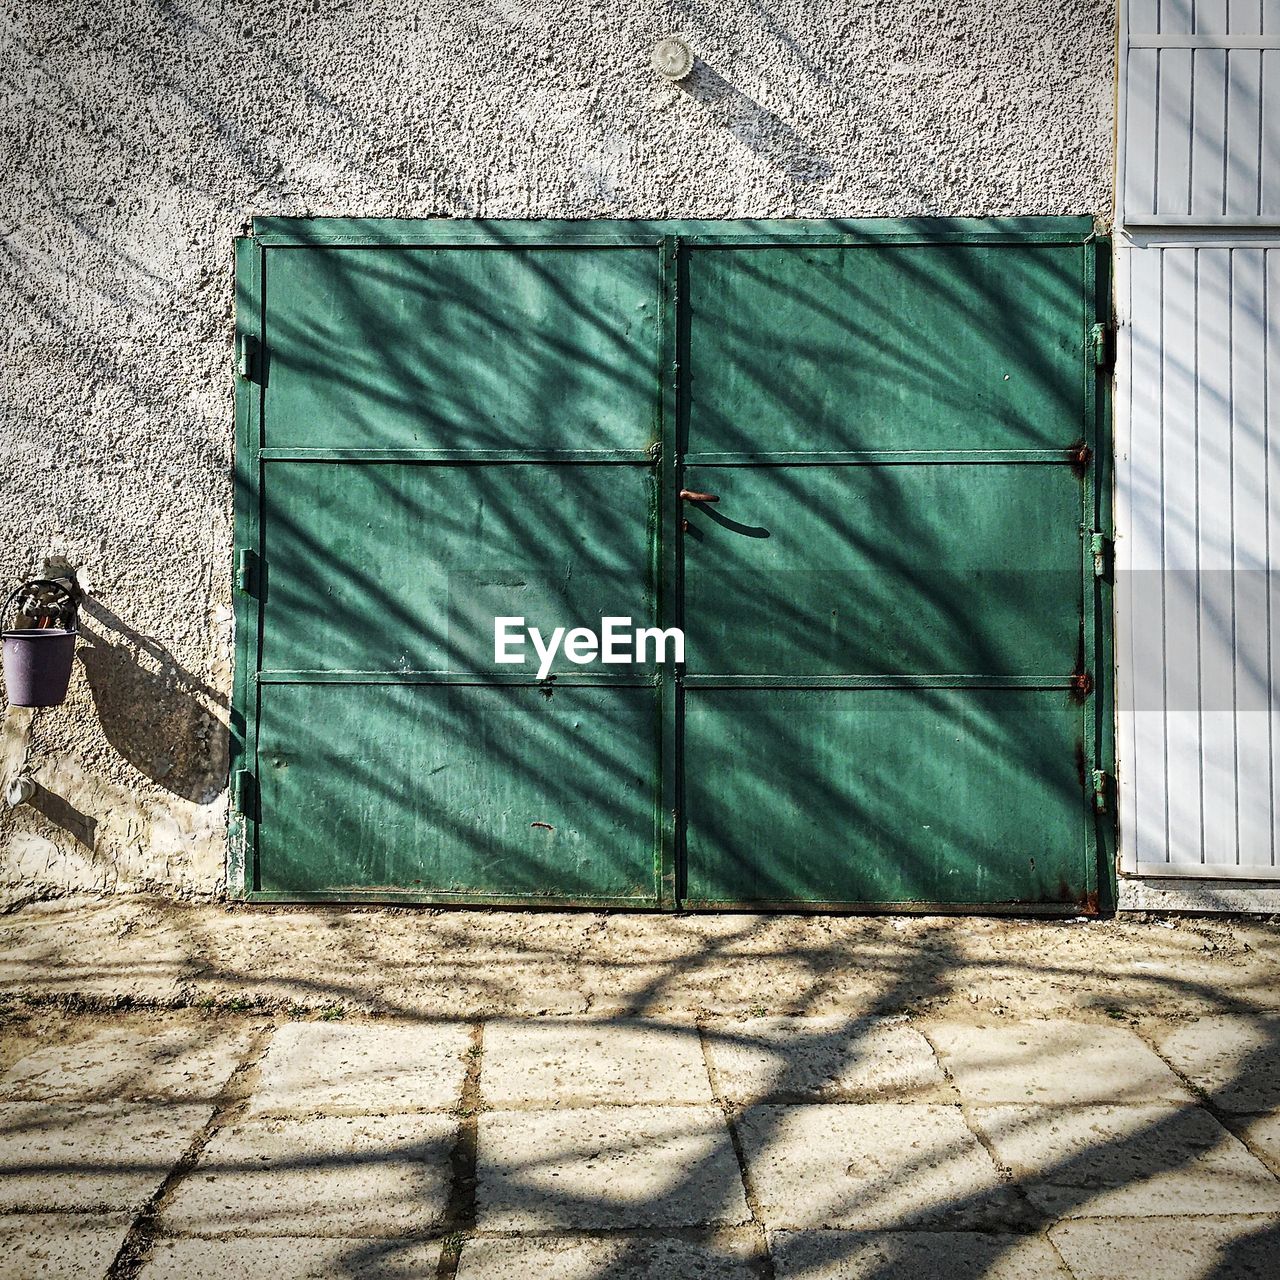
(888, 611)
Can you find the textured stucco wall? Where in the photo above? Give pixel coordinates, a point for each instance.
(137, 139)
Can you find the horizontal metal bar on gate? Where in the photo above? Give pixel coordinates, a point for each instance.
(805, 906)
(1206, 40)
(359, 893)
(557, 680)
(880, 457)
(960, 681)
(909, 907)
(455, 233)
(285, 453)
(447, 233)
(275, 240)
(889, 239)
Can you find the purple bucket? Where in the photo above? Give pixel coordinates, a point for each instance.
(37, 659)
(37, 666)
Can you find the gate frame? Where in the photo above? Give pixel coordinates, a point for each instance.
(669, 239)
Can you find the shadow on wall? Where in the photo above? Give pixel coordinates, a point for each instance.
(153, 718)
(62, 813)
(760, 130)
(15, 738)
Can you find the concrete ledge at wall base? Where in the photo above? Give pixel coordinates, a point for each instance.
(1167, 893)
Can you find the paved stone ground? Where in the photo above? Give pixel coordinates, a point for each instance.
(1062, 1128)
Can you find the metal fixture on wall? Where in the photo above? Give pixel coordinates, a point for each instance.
(672, 58)
(19, 790)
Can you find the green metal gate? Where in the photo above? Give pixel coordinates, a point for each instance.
(895, 622)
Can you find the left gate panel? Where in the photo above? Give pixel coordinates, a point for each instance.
(448, 435)
(466, 350)
(476, 791)
(401, 567)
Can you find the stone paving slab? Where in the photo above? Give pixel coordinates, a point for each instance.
(1110, 1161)
(60, 1246)
(823, 1058)
(190, 1062)
(120, 948)
(333, 1176)
(1056, 1063)
(1262, 1135)
(575, 1062)
(292, 1258)
(1243, 1248)
(1236, 1060)
(913, 1255)
(369, 1068)
(870, 1165)
(638, 1166)
(58, 1155)
(618, 1257)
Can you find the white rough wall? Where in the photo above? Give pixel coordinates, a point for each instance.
(137, 139)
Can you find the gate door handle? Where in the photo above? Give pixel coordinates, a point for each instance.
(689, 496)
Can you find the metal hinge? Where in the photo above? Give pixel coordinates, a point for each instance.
(1100, 548)
(246, 571)
(248, 350)
(1101, 789)
(242, 792)
(1101, 337)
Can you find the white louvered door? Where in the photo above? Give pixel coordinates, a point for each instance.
(1198, 438)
